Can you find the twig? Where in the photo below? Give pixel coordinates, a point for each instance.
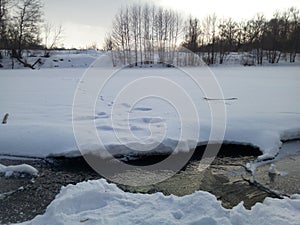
(265, 189)
(5, 118)
(219, 99)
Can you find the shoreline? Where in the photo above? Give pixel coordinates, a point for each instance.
(23, 198)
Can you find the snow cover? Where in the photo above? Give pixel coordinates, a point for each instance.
(18, 170)
(262, 108)
(97, 202)
(40, 106)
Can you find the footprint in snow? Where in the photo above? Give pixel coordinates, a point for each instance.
(105, 128)
(101, 115)
(126, 105)
(135, 128)
(144, 109)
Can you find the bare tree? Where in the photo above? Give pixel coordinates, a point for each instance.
(191, 39)
(135, 28)
(140, 22)
(153, 33)
(109, 46)
(274, 38)
(108, 43)
(126, 25)
(118, 36)
(146, 34)
(175, 30)
(227, 38)
(27, 21)
(192, 34)
(209, 36)
(241, 35)
(53, 36)
(294, 41)
(256, 31)
(5, 18)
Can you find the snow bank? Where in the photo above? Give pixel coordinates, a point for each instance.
(97, 202)
(18, 170)
(57, 59)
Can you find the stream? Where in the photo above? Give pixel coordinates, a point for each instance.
(22, 198)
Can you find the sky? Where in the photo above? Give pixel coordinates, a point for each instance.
(86, 22)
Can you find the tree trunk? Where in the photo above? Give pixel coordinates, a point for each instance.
(278, 58)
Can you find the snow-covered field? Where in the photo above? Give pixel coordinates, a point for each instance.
(261, 109)
(254, 105)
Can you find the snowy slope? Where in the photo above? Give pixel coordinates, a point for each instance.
(261, 109)
(97, 202)
(57, 59)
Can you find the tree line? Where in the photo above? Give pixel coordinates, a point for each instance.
(146, 34)
(261, 37)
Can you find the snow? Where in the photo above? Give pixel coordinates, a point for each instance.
(57, 59)
(18, 170)
(97, 202)
(267, 107)
(261, 109)
(39, 104)
(146, 111)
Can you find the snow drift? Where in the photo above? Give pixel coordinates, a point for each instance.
(97, 202)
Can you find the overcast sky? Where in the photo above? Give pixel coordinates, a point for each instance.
(87, 22)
